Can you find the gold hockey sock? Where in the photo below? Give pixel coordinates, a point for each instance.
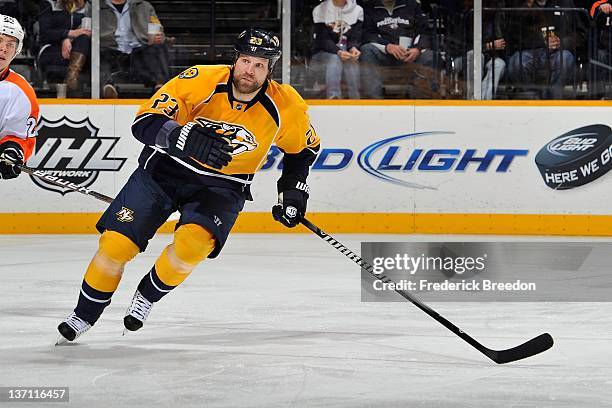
(103, 274)
(192, 244)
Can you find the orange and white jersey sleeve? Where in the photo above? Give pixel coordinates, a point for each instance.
(19, 112)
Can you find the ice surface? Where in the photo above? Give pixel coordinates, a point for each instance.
(277, 321)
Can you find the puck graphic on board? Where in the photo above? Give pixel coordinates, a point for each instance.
(576, 158)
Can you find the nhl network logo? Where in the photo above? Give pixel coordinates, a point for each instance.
(72, 151)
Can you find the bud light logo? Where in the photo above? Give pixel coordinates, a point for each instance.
(398, 161)
(573, 143)
(576, 158)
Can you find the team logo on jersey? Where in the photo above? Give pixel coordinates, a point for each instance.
(72, 151)
(189, 73)
(125, 215)
(310, 137)
(241, 139)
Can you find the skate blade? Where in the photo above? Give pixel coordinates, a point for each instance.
(61, 340)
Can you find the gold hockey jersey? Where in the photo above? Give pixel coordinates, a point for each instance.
(203, 94)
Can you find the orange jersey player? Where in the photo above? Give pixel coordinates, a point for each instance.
(18, 106)
(206, 133)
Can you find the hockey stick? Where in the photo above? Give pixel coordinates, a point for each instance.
(532, 347)
(63, 183)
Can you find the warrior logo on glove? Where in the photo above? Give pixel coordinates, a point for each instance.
(240, 138)
(291, 212)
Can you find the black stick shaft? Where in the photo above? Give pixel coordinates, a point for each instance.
(63, 183)
(545, 341)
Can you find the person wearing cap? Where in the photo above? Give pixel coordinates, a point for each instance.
(18, 105)
(206, 133)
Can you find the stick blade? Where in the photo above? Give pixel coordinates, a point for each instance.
(530, 348)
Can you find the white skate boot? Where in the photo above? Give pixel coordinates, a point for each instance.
(71, 328)
(137, 313)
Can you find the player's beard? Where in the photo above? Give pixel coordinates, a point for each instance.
(246, 87)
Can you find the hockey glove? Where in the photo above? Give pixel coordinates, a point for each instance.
(204, 145)
(10, 155)
(292, 199)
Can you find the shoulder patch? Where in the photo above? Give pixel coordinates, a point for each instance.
(189, 73)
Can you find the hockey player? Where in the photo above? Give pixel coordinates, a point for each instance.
(18, 104)
(206, 132)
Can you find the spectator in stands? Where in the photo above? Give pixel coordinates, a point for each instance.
(131, 41)
(9, 8)
(335, 48)
(493, 47)
(545, 45)
(601, 12)
(27, 13)
(65, 44)
(395, 33)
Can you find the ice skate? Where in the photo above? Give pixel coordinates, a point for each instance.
(71, 328)
(137, 313)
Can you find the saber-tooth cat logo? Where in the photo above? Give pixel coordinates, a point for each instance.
(241, 139)
(72, 151)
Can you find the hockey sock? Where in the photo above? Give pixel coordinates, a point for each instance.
(91, 303)
(192, 244)
(103, 275)
(152, 288)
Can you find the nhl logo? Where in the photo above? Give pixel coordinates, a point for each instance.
(72, 151)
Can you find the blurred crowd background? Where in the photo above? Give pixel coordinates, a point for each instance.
(340, 49)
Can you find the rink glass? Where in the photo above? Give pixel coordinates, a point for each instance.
(204, 34)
